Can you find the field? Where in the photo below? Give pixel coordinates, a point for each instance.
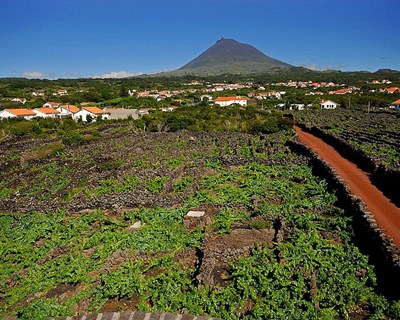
(375, 133)
(99, 224)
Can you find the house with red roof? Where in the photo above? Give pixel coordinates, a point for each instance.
(227, 101)
(396, 104)
(328, 104)
(145, 111)
(17, 113)
(391, 90)
(62, 92)
(93, 112)
(46, 112)
(67, 110)
(51, 104)
(341, 91)
(269, 94)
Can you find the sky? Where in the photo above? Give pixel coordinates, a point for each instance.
(115, 38)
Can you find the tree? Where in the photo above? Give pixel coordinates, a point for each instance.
(123, 92)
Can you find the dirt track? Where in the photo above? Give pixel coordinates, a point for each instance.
(386, 214)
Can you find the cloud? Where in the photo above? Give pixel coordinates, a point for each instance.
(72, 75)
(316, 67)
(313, 67)
(37, 75)
(118, 74)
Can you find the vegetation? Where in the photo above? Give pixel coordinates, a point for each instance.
(68, 244)
(373, 132)
(231, 119)
(93, 215)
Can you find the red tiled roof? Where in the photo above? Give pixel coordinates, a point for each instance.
(324, 101)
(71, 107)
(47, 110)
(53, 104)
(396, 102)
(21, 112)
(94, 110)
(230, 98)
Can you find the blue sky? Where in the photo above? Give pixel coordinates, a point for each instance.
(88, 38)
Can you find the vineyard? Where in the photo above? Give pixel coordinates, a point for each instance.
(100, 224)
(375, 133)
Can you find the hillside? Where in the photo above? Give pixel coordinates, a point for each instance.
(228, 56)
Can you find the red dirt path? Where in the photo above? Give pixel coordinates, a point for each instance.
(386, 214)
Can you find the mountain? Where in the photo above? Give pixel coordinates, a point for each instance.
(386, 71)
(228, 56)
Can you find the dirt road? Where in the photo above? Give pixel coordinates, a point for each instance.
(386, 214)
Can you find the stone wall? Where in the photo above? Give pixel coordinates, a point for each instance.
(369, 238)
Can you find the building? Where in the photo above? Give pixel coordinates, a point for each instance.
(62, 92)
(37, 93)
(94, 112)
(169, 109)
(20, 100)
(46, 112)
(269, 94)
(396, 104)
(122, 113)
(227, 101)
(67, 110)
(145, 111)
(297, 106)
(328, 104)
(17, 113)
(391, 90)
(51, 104)
(206, 98)
(341, 91)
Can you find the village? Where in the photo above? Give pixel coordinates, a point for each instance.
(289, 95)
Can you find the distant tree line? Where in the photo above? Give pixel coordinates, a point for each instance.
(216, 119)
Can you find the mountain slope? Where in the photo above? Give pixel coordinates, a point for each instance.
(228, 56)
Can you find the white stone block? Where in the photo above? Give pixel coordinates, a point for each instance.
(197, 214)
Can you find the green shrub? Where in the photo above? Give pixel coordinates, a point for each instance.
(71, 138)
(156, 185)
(183, 185)
(22, 128)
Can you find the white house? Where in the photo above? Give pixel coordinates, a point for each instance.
(46, 112)
(50, 104)
(328, 104)
(227, 101)
(20, 100)
(269, 94)
(144, 111)
(67, 110)
(94, 112)
(280, 106)
(169, 109)
(396, 104)
(206, 97)
(17, 113)
(297, 106)
(37, 94)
